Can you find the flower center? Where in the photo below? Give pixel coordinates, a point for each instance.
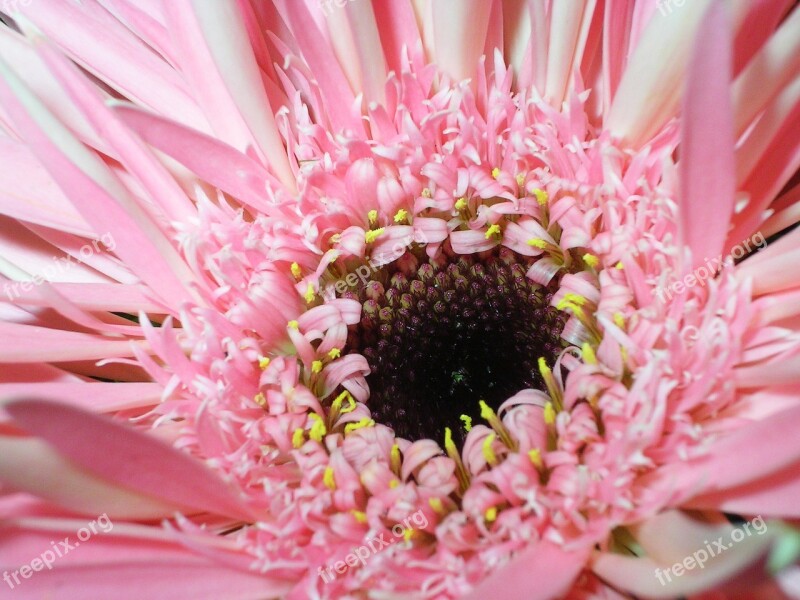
(438, 339)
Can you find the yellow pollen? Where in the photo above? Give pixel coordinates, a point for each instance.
(371, 236)
(520, 179)
(335, 238)
(449, 445)
(495, 172)
(541, 196)
(426, 193)
(310, 295)
(293, 325)
(549, 413)
(296, 270)
(298, 437)
(619, 266)
(588, 355)
(491, 514)
(537, 243)
(467, 422)
(487, 414)
(393, 484)
(493, 230)
(373, 216)
(394, 458)
(452, 452)
(365, 422)
(336, 407)
(401, 215)
(334, 353)
(260, 399)
(360, 516)
(318, 429)
(536, 457)
(488, 451)
(619, 320)
(461, 204)
(408, 534)
(591, 260)
(328, 479)
(436, 504)
(263, 362)
(316, 366)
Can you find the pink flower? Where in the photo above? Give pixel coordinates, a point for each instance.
(400, 299)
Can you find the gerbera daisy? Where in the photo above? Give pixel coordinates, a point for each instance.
(390, 299)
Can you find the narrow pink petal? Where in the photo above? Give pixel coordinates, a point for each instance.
(107, 49)
(397, 27)
(28, 193)
(617, 30)
(30, 465)
(128, 563)
(770, 70)
(773, 496)
(27, 343)
(369, 51)
(640, 576)
(138, 240)
(567, 35)
(706, 163)
(213, 161)
(460, 31)
(218, 61)
(96, 396)
(111, 297)
(543, 571)
(126, 456)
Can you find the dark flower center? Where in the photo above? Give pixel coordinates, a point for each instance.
(440, 338)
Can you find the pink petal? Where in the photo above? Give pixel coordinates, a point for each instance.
(126, 456)
(706, 163)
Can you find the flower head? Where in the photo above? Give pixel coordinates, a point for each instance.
(476, 296)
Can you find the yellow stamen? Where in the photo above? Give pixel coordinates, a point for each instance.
(335, 238)
(296, 270)
(426, 193)
(373, 216)
(371, 236)
(520, 179)
(408, 534)
(588, 355)
(461, 204)
(298, 437)
(401, 215)
(591, 260)
(365, 422)
(541, 196)
(394, 459)
(336, 406)
(537, 243)
(488, 451)
(488, 415)
(328, 479)
(318, 429)
(491, 514)
(619, 266)
(260, 399)
(467, 422)
(393, 484)
(263, 362)
(452, 452)
(360, 516)
(437, 505)
(619, 320)
(536, 457)
(334, 353)
(493, 230)
(549, 414)
(316, 366)
(310, 295)
(293, 325)
(495, 172)
(552, 385)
